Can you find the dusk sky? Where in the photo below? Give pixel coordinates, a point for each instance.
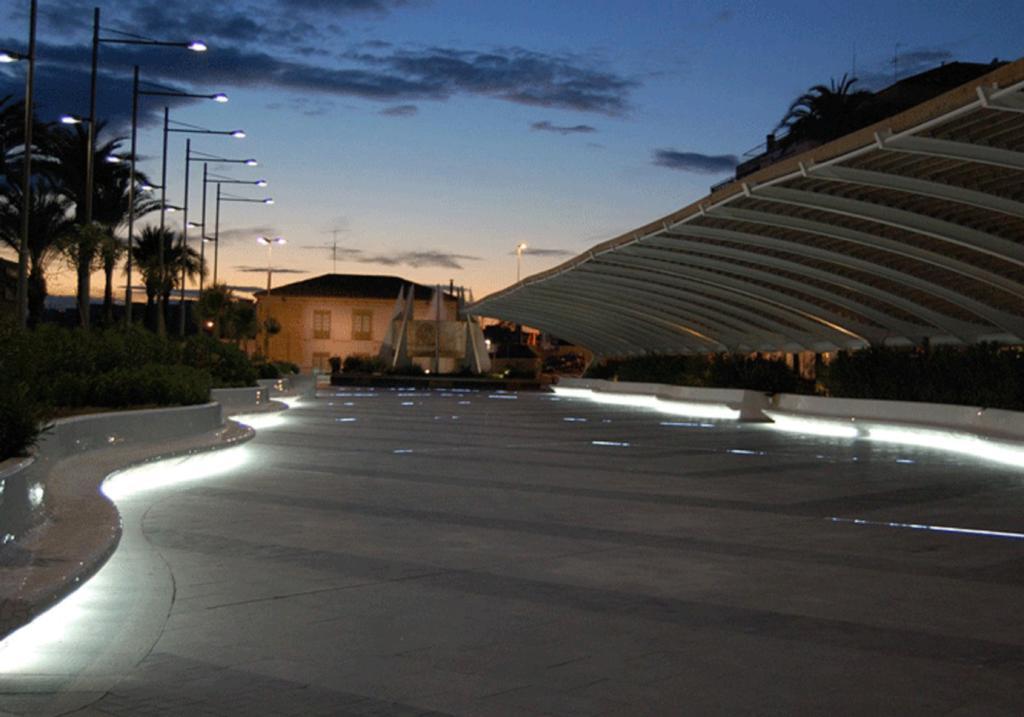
(435, 135)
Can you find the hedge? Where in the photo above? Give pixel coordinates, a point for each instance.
(51, 368)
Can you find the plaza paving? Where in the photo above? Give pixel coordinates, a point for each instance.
(474, 553)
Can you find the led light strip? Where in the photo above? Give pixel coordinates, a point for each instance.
(668, 406)
(934, 528)
(937, 439)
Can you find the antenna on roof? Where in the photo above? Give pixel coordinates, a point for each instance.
(334, 248)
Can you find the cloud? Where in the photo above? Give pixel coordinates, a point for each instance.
(416, 259)
(245, 234)
(546, 252)
(241, 33)
(420, 259)
(400, 111)
(695, 162)
(545, 126)
(908, 62)
(263, 270)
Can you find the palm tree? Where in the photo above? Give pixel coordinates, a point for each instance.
(146, 255)
(66, 149)
(111, 210)
(50, 229)
(826, 112)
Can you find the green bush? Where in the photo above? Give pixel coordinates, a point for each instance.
(719, 371)
(21, 419)
(754, 374)
(228, 365)
(411, 369)
(980, 375)
(361, 363)
(287, 367)
(267, 370)
(661, 368)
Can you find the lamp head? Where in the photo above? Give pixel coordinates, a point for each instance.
(260, 182)
(251, 163)
(268, 200)
(220, 97)
(70, 119)
(197, 46)
(238, 134)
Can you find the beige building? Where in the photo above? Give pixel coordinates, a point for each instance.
(339, 315)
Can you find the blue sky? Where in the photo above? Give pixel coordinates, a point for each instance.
(434, 135)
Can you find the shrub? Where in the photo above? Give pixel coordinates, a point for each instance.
(411, 369)
(361, 363)
(754, 374)
(980, 375)
(228, 365)
(150, 384)
(267, 370)
(286, 367)
(21, 419)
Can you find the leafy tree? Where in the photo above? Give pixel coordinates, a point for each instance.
(215, 304)
(146, 255)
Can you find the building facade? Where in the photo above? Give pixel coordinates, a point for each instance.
(339, 315)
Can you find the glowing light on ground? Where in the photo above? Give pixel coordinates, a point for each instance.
(813, 426)
(937, 439)
(260, 421)
(933, 528)
(55, 630)
(173, 472)
(672, 407)
(952, 442)
(290, 401)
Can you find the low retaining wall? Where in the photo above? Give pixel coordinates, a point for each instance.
(235, 399)
(987, 432)
(748, 404)
(989, 422)
(57, 527)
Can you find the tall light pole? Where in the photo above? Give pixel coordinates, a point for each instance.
(137, 92)
(236, 133)
(207, 159)
(216, 227)
(520, 248)
(126, 39)
(186, 225)
(270, 270)
(21, 302)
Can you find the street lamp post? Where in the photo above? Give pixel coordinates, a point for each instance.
(206, 159)
(216, 226)
(520, 248)
(21, 302)
(237, 133)
(270, 270)
(127, 39)
(137, 92)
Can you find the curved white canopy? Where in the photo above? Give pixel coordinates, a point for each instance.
(909, 230)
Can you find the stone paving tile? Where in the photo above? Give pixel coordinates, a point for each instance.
(513, 568)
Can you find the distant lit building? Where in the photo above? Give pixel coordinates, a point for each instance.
(339, 315)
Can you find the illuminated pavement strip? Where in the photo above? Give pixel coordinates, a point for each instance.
(385, 552)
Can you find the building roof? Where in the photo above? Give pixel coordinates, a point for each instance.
(355, 286)
(908, 230)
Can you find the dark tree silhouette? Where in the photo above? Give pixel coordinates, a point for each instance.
(825, 112)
